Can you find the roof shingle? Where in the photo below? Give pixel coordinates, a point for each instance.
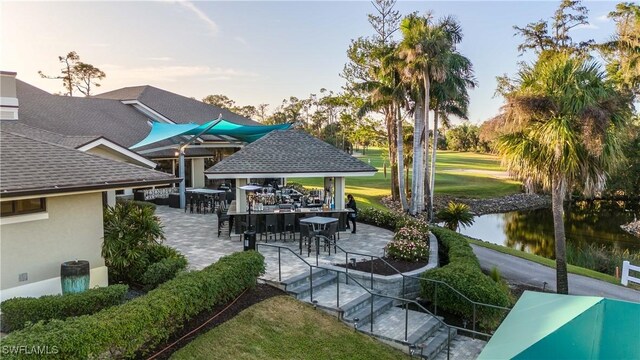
(29, 166)
(289, 152)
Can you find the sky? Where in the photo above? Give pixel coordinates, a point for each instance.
(254, 52)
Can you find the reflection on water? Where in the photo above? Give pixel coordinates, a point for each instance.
(586, 222)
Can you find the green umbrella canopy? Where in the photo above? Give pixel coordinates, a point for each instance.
(247, 133)
(551, 326)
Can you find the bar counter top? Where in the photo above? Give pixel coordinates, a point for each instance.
(273, 209)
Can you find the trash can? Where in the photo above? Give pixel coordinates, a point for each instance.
(74, 276)
(249, 240)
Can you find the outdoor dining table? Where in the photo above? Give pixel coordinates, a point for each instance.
(318, 223)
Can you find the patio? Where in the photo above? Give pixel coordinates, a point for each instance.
(195, 235)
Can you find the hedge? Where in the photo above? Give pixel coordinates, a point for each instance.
(132, 329)
(387, 219)
(464, 274)
(139, 203)
(17, 312)
(162, 271)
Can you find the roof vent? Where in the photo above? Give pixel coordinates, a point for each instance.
(8, 96)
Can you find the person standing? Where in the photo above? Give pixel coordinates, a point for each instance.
(351, 216)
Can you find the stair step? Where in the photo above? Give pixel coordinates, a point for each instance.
(427, 329)
(326, 296)
(436, 343)
(302, 278)
(354, 305)
(304, 289)
(380, 305)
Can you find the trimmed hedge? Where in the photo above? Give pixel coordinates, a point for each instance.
(162, 271)
(139, 203)
(144, 322)
(464, 274)
(18, 312)
(388, 219)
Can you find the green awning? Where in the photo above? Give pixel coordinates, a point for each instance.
(246, 133)
(551, 326)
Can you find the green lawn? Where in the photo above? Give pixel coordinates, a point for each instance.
(284, 328)
(457, 173)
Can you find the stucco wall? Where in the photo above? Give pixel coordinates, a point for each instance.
(73, 230)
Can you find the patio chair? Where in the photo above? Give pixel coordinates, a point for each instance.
(330, 234)
(289, 226)
(270, 227)
(306, 234)
(222, 218)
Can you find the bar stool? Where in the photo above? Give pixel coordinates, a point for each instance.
(289, 226)
(270, 227)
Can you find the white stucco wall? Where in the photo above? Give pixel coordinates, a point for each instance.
(71, 230)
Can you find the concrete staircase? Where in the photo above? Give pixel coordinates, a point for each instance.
(425, 334)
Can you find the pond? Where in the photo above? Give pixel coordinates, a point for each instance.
(586, 222)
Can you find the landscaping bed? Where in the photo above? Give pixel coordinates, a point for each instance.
(381, 268)
(198, 325)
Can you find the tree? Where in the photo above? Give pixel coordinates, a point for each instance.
(85, 76)
(423, 49)
(456, 214)
(365, 57)
(541, 36)
(219, 100)
(622, 52)
(567, 117)
(449, 97)
(76, 74)
(463, 137)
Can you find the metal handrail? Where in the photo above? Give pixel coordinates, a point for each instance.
(473, 303)
(372, 294)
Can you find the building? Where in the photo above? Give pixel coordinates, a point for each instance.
(109, 124)
(52, 199)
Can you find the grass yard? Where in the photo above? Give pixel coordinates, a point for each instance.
(457, 174)
(284, 328)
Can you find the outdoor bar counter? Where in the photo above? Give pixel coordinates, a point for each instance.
(237, 218)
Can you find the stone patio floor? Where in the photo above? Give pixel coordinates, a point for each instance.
(196, 236)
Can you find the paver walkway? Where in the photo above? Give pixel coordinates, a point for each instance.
(196, 236)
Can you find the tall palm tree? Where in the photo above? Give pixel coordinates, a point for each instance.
(565, 117)
(449, 97)
(423, 44)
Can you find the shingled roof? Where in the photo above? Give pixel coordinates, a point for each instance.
(289, 153)
(35, 167)
(179, 109)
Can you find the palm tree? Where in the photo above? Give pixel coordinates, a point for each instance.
(423, 45)
(565, 117)
(450, 97)
(456, 214)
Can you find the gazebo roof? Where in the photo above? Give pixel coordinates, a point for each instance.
(289, 153)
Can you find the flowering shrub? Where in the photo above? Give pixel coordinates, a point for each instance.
(408, 250)
(412, 233)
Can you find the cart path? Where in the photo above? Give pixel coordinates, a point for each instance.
(530, 273)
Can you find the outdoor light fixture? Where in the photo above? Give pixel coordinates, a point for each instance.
(315, 304)
(353, 262)
(412, 350)
(355, 323)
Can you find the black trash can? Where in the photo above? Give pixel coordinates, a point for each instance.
(249, 240)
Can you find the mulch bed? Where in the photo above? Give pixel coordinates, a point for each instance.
(250, 297)
(380, 268)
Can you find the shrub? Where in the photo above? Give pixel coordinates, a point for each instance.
(456, 214)
(142, 204)
(129, 231)
(412, 233)
(463, 273)
(162, 271)
(146, 321)
(18, 312)
(408, 250)
(600, 258)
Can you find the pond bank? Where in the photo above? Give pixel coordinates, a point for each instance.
(487, 206)
(632, 228)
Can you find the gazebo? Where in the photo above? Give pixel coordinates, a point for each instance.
(552, 326)
(290, 153)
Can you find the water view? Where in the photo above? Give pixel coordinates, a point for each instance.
(586, 222)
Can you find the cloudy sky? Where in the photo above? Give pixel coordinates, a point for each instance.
(252, 51)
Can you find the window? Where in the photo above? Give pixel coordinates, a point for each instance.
(19, 207)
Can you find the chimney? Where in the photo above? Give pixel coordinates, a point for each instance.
(8, 96)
